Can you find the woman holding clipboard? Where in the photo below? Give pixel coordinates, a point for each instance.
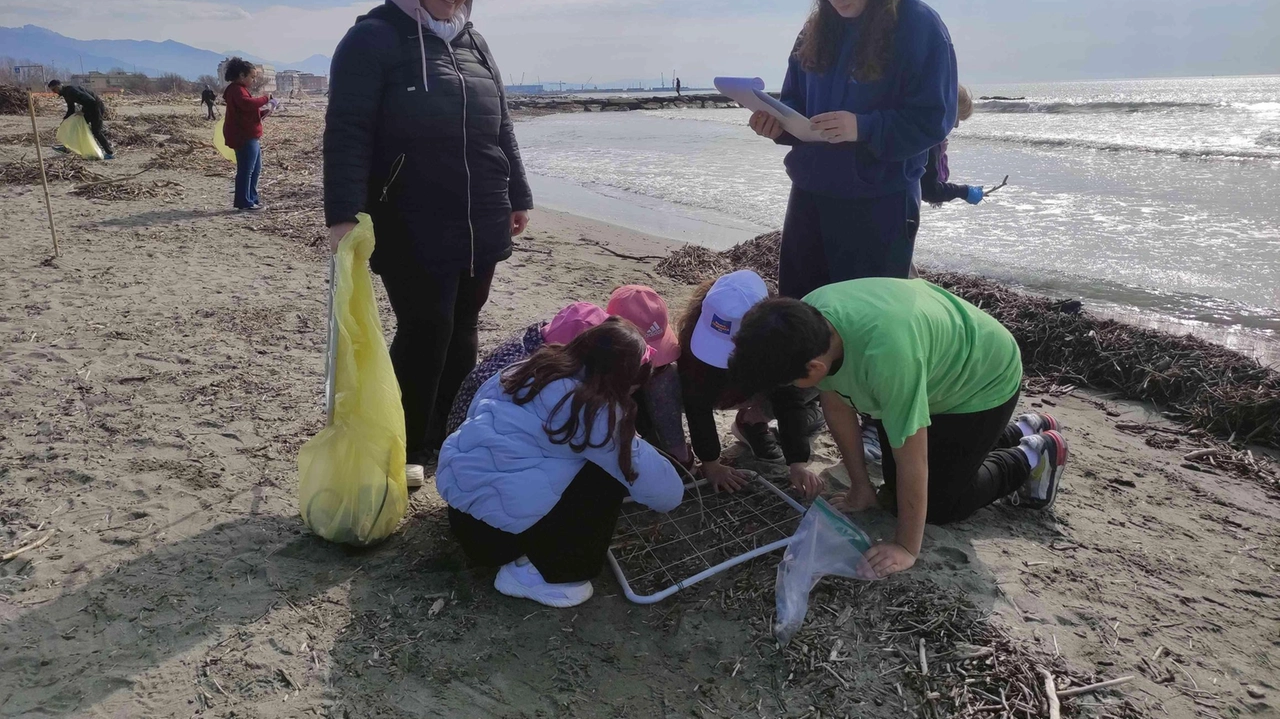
(877, 78)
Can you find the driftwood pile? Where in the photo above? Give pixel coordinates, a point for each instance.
(13, 100)
(1210, 387)
(26, 171)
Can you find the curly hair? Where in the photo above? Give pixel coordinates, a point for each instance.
(819, 45)
(237, 67)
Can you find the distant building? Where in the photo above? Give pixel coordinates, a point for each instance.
(102, 81)
(289, 82)
(525, 89)
(267, 78)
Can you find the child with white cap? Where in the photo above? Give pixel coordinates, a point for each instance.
(706, 338)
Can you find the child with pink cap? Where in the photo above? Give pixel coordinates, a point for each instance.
(659, 400)
(561, 330)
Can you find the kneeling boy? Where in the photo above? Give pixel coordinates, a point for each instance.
(942, 378)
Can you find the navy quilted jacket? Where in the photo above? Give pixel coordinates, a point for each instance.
(435, 164)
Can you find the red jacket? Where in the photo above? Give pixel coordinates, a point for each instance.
(244, 115)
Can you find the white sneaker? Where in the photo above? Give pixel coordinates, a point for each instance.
(414, 475)
(521, 579)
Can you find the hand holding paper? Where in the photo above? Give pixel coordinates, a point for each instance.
(749, 92)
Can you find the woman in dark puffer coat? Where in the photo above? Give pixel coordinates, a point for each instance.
(417, 134)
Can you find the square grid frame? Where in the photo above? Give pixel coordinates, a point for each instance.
(636, 538)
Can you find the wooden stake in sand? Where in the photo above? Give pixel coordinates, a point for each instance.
(44, 181)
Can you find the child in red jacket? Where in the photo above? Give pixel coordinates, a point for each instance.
(242, 130)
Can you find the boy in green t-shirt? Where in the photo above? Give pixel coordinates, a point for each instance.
(942, 378)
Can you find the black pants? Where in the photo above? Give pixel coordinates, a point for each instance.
(828, 239)
(566, 545)
(93, 116)
(210, 106)
(437, 340)
(974, 460)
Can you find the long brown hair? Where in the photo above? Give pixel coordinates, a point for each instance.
(819, 46)
(609, 359)
(689, 319)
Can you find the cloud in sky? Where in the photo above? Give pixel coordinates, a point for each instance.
(607, 40)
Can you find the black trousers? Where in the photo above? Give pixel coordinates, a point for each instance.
(435, 347)
(828, 239)
(210, 106)
(974, 460)
(93, 116)
(566, 545)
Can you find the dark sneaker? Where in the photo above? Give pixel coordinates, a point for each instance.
(760, 439)
(1039, 422)
(815, 420)
(109, 156)
(1041, 488)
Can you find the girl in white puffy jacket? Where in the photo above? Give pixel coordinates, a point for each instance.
(536, 475)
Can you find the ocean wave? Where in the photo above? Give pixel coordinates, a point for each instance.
(1214, 153)
(1054, 108)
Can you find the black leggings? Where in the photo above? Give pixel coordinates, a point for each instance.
(974, 460)
(567, 545)
(437, 340)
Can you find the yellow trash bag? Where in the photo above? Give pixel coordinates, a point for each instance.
(351, 485)
(75, 135)
(220, 143)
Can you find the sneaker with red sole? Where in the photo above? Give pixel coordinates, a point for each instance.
(1039, 422)
(1041, 488)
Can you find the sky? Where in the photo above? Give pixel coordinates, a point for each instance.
(615, 40)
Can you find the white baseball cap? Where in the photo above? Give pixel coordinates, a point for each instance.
(727, 301)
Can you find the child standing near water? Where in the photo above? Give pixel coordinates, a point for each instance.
(535, 476)
(242, 130)
(934, 187)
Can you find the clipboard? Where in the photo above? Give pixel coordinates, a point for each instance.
(749, 92)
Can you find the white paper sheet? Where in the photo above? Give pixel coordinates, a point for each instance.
(749, 92)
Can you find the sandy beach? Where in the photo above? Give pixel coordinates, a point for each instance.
(157, 380)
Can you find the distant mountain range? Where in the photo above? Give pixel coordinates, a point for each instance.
(39, 45)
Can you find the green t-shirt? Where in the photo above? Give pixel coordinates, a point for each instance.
(912, 349)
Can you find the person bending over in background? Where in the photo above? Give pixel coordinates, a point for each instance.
(417, 135)
(535, 476)
(207, 98)
(93, 108)
(943, 378)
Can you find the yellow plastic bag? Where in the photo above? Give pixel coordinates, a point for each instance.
(220, 143)
(75, 135)
(351, 475)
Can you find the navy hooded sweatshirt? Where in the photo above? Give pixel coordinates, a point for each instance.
(911, 109)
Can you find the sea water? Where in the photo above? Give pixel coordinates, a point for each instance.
(1156, 200)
